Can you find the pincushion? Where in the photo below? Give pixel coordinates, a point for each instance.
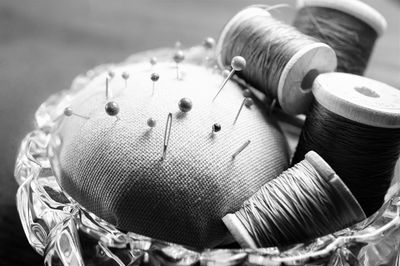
(112, 165)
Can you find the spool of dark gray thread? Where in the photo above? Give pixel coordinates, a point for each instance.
(354, 124)
(350, 27)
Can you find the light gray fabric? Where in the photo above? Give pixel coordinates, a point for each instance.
(113, 168)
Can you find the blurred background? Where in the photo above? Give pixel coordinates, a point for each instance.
(44, 44)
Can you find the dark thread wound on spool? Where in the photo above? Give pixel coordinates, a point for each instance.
(363, 156)
(297, 206)
(352, 39)
(267, 44)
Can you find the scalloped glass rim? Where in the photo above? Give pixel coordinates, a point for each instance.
(65, 233)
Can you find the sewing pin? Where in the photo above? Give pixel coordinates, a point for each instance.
(216, 128)
(241, 148)
(185, 105)
(153, 61)
(246, 102)
(247, 93)
(151, 122)
(209, 43)
(125, 76)
(249, 102)
(154, 77)
(111, 74)
(178, 57)
(107, 90)
(112, 109)
(69, 112)
(238, 63)
(167, 134)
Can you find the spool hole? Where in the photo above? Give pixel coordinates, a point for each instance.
(308, 80)
(367, 92)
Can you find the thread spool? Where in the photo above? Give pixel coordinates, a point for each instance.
(354, 124)
(351, 28)
(306, 201)
(279, 57)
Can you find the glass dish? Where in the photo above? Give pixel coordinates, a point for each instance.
(64, 233)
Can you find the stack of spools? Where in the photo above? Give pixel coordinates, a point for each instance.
(352, 122)
(220, 162)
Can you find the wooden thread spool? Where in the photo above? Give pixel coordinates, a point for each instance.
(306, 201)
(281, 74)
(354, 124)
(349, 27)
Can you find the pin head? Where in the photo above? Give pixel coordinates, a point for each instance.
(154, 77)
(248, 102)
(185, 105)
(216, 127)
(178, 45)
(246, 93)
(238, 63)
(209, 43)
(179, 56)
(125, 75)
(68, 111)
(111, 74)
(151, 122)
(225, 73)
(153, 61)
(112, 108)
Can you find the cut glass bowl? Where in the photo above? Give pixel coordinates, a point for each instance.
(64, 233)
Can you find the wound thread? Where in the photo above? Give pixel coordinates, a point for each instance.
(363, 156)
(297, 206)
(352, 39)
(267, 44)
(278, 56)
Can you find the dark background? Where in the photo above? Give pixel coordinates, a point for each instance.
(44, 44)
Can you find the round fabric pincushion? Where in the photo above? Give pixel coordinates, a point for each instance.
(112, 164)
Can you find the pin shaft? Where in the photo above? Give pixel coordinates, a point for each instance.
(244, 146)
(240, 110)
(223, 84)
(177, 71)
(81, 116)
(107, 90)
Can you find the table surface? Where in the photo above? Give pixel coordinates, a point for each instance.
(44, 44)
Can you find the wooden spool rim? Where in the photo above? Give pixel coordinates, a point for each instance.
(317, 56)
(238, 231)
(359, 99)
(356, 8)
